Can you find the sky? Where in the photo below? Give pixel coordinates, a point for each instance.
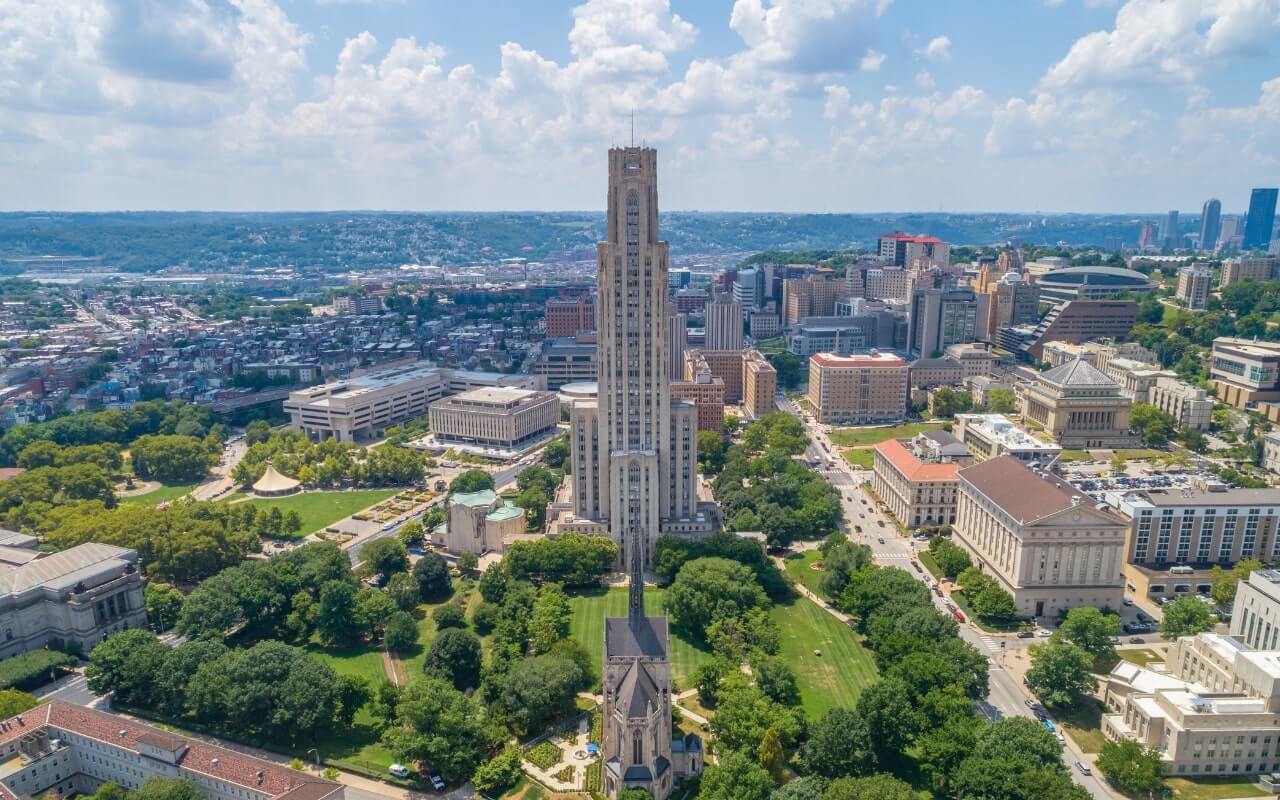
(753, 105)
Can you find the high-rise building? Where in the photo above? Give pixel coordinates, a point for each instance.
(748, 288)
(1261, 219)
(724, 325)
(1012, 301)
(811, 296)
(1194, 283)
(940, 318)
(1147, 236)
(1232, 233)
(859, 389)
(677, 343)
(1169, 236)
(904, 250)
(634, 448)
(569, 316)
(1210, 223)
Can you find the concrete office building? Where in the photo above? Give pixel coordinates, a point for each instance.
(872, 329)
(1261, 221)
(1194, 284)
(1080, 407)
(1245, 372)
(634, 448)
(1210, 224)
(567, 360)
(860, 389)
(505, 418)
(1203, 526)
(1170, 237)
(569, 316)
(811, 296)
(364, 406)
(1190, 406)
(1044, 542)
(724, 325)
(480, 522)
(749, 289)
(693, 300)
(888, 284)
(940, 318)
(60, 750)
(1074, 321)
(764, 325)
(1098, 353)
(1136, 378)
(357, 304)
(1255, 616)
(905, 250)
(72, 599)
(918, 483)
(929, 373)
(1010, 301)
(1247, 268)
(989, 436)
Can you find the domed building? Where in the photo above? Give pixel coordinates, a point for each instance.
(1091, 283)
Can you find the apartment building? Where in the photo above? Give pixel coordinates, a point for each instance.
(357, 304)
(759, 384)
(1044, 542)
(73, 599)
(906, 250)
(747, 376)
(1195, 282)
(569, 316)
(917, 478)
(992, 435)
(1245, 372)
(500, 417)
(1208, 525)
(1247, 268)
(1189, 405)
(858, 389)
(706, 392)
(724, 325)
(1079, 407)
(811, 296)
(888, 283)
(64, 750)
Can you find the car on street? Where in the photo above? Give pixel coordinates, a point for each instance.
(1044, 633)
(1026, 634)
(1136, 640)
(937, 590)
(880, 539)
(399, 770)
(1145, 618)
(1128, 601)
(1084, 768)
(437, 783)
(1029, 703)
(958, 614)
(1048, 725)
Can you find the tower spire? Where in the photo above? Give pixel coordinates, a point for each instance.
(633, 127)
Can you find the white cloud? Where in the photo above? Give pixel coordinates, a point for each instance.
(938, 49)
(1251, 132)
(1091, 122)
(1166, 41)
(924, 80)
(815, 37)
(900, 126)
(872, 61)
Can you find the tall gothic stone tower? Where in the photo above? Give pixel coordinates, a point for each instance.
(634, 449)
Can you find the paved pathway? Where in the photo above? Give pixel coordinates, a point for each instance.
(574, 755)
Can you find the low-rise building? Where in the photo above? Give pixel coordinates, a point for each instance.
(66, 750)
(917, 480)
(479, 522)
(976, 359)
(1190, 406)
(1070, 321)
(72, 599)
(928, 373)
(1271, 451)
(1136, 378)
(1079, 406)
(1247, 268)
(1044, 542)
(992, 435)
(567, 360)
(858, 389)
(1245, 372)
(499, 417)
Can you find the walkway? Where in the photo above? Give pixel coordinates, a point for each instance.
(573, 754)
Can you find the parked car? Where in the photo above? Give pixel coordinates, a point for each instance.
(958, 615)
(1084, 768)
(1048, 725)
(937, 590)
(1145, 618)
(1026, 634)
(437, 783)
(880, 539)
(1029, 703)
(1136, 640)
(399, 770)
(1128, 601)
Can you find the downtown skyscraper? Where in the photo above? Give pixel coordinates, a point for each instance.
(1261, 219)
(1210, 223)
(634, 449)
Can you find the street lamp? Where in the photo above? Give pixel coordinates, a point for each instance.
(317, 758)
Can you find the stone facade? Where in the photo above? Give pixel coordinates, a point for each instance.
(1079, 407)
(480, 522)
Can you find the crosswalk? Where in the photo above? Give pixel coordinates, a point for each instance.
(880, 556)
(991, 643)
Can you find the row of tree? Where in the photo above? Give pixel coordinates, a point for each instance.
(117, 426)
(328, 462)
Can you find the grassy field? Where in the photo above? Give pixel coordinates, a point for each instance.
(863, 457)
(1214, 788)
(851, 437)
(1132, 455)
(591, 607)
(1141, 657)
(1076, 455)
(1084, 725)
(798, 569)
(411, 663)
(319, 509)
(833, 679)
(358, 749)
(161, 495)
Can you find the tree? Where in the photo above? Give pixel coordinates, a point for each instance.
(1223, 583)
(791, 370)
(711, 449)
(994, 603)
(736, 777)
(1001, 401)
(432, 574)
(1153, 425)
(775, 679)
(947, 402)
(438, 725)
(170, 459)
(455, 656)
(401, 632)
(449, 615)
(403, 591)
(890, 716)
(14, 702)
(839, 746)
(549, 622)
(556, 453)
(411, 531)
(1131, 768)
(499, 773)
(574, 559)
(709, 589)
(1014, 759)
(950, 558)
(809, 787)
(385, 556)
(336, 614)
(467, 564)
(1090, 629)
(743, 714)
(538, 690)
(485, 617)
(1060, 674)
(126, 664)
(771, 756)
(872, 787)
(1187, 616)
(163, 603)
(534, 501)
(158, 788)
(473, 480)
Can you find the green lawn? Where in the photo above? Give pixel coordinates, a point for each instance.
(1132, 455)
(1076, 455)
(358, 749)
(1084, 725)
(1214, 788)
(926, 558)
(1142, 657)
(797, 567)
(833, 679)
(161, 495)
(592, 606)
(863, 457)
(850, 437)
(319, 509)
(427, 631)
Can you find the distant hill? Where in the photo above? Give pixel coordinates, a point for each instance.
(336, 241)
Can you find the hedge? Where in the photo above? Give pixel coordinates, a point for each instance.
(29, 670)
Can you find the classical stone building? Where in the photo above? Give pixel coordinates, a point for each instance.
(917, 479)
(479, 522)
(71, 599)
(1080, 407)
(1044, 542)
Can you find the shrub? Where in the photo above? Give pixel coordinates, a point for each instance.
(29, 670)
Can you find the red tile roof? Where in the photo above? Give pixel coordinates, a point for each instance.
(912, 468)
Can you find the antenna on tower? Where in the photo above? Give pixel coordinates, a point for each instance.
(633, 127)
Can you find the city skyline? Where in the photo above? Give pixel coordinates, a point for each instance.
(760, 105)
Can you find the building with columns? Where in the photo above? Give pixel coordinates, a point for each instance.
(1079, 407)
(1044, 542)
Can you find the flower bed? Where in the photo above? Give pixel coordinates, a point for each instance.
(544, 755)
